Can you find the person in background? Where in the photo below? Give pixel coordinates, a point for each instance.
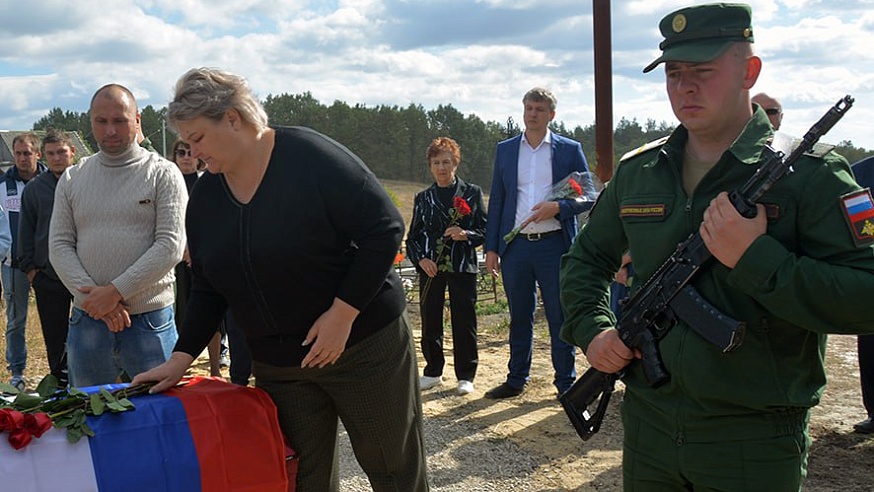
(298, 237)
(240, 361)
(16, 286)
(864, 172)
(144, 141)
(53, 300)
(799, 270)
(453, 265)
(188, 166)
(6, 249)
(772, 108)
(620, 288)
(526, 167)
(116, 233)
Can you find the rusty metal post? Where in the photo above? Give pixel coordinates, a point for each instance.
(603, 89)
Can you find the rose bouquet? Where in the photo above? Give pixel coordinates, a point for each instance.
(460, 209)
(26, 416)
(574, 186)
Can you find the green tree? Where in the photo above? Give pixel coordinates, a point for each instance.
(68, 121)
(851, 153)
(301, 109)
(152, 122)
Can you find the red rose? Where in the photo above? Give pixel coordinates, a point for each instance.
(37, 423)
(576, 186)
(20, 438)
(11, 420)
(460, 204)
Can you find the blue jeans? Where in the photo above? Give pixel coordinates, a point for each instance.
(16, 291)
(97, 356)
(525, 265)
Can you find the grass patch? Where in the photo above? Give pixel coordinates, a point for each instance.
(497, 306)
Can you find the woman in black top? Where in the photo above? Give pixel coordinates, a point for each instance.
(442, 244)
(298, 237)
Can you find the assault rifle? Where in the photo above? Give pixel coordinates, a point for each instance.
(666, 295)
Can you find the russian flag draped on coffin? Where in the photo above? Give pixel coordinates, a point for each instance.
(208, 436)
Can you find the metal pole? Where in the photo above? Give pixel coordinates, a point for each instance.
(603, 89)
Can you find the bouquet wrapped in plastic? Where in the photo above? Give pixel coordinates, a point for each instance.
(575, 186)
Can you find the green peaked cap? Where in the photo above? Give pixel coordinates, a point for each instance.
(703, 32)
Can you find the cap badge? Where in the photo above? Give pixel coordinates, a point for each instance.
(679, 23)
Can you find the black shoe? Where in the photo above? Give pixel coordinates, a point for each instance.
(504, 391)
(865, 427)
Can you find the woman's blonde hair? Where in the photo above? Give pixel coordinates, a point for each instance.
(210, 93)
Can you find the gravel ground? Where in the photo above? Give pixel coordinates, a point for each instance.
(461, 457)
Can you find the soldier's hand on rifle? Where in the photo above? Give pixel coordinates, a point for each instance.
(607, 353)
(726, 233)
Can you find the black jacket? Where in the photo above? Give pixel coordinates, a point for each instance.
(37, 201)
(431, 218)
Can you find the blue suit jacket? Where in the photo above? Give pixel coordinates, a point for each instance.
(567, 157)
(864, 172)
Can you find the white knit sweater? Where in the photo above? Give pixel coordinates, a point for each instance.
(120, 220)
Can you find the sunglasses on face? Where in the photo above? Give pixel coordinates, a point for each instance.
(183, 153)
(772, 111)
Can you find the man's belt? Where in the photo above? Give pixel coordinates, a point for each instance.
(537, 236)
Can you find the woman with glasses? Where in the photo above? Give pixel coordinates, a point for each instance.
(298, 237)
(188, 165)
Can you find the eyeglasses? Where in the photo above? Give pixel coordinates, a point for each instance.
(183, 153)
(773, 111)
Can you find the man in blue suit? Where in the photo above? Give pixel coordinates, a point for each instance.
(526, 167)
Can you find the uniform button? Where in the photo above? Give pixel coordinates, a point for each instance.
(681, 440)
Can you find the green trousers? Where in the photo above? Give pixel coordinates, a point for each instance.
(654, 461)
(373, 389)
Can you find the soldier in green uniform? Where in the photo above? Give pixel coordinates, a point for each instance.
(802, 268)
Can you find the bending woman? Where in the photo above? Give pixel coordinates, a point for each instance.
(297, 236)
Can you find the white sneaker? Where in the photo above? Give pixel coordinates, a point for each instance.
(428, 382)
(465, 387)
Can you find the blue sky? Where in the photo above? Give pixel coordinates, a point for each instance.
(478, 55)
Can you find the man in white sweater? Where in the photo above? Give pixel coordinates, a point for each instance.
(116, 233)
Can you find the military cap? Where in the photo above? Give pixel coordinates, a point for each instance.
(703, 32)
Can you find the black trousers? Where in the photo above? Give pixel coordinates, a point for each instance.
(373, 389)
(53, 302)
(866, 371)
(462, 306)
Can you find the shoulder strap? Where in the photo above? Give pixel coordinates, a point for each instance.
(644, 148)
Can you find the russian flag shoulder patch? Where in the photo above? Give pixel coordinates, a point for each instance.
(858, 209)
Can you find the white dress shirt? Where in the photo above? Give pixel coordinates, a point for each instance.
(534, 182)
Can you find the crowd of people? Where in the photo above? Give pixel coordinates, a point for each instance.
(282, 242)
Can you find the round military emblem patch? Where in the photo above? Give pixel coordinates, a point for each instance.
(679, 23)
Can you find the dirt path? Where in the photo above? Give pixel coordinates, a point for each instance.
(527, 444)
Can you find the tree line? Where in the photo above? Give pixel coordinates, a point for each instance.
(392, 140)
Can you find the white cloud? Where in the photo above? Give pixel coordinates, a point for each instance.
(478, 56)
